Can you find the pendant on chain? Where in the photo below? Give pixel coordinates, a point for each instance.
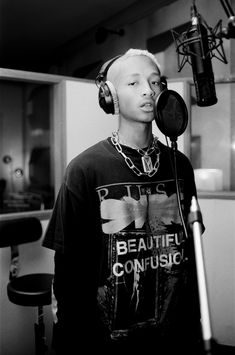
(147, 163)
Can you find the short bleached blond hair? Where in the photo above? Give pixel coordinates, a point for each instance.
(133, 52)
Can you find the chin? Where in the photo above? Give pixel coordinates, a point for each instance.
(148, 117)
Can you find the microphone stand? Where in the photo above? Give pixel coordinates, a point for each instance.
(195, 220)
(174, 148)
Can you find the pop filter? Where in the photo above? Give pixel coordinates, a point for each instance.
(171, 114)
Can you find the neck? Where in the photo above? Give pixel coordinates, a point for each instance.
(140, 138)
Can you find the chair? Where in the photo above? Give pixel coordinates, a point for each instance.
(30, 290)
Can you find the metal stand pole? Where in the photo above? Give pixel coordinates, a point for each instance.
(39, 328)
(195, 218)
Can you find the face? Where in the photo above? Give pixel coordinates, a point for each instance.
(137, 82)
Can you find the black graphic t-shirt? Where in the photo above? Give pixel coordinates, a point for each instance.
(145, 251)
(125, 236)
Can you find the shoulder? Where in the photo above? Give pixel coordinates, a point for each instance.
(176, 159)
(167, 150)
(87, 156)
(88, 163)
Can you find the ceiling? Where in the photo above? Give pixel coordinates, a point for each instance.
(31, 31)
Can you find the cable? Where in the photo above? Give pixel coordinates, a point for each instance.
(228, 10)
(174, 169)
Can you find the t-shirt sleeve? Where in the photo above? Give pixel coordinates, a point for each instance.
(54, 237)
(66, 220)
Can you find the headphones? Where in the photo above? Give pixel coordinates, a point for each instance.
(107, 95)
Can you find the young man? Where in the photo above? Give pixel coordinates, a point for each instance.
(124, 268)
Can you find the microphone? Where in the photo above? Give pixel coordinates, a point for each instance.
(171, 114)
(203, 75)
(197, 45)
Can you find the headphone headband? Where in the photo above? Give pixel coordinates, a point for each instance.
(101, 77)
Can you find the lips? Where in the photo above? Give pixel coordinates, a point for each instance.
(147, 106)
(147, 103)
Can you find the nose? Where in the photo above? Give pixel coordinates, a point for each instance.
(148, 90)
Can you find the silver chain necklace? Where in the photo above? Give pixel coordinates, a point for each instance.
(148, 167)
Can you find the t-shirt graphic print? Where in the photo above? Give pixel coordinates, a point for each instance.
(144, 245)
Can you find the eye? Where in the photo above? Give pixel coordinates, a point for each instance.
(132, 83)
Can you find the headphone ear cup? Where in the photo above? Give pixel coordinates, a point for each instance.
(108, 99)
(163, 85)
